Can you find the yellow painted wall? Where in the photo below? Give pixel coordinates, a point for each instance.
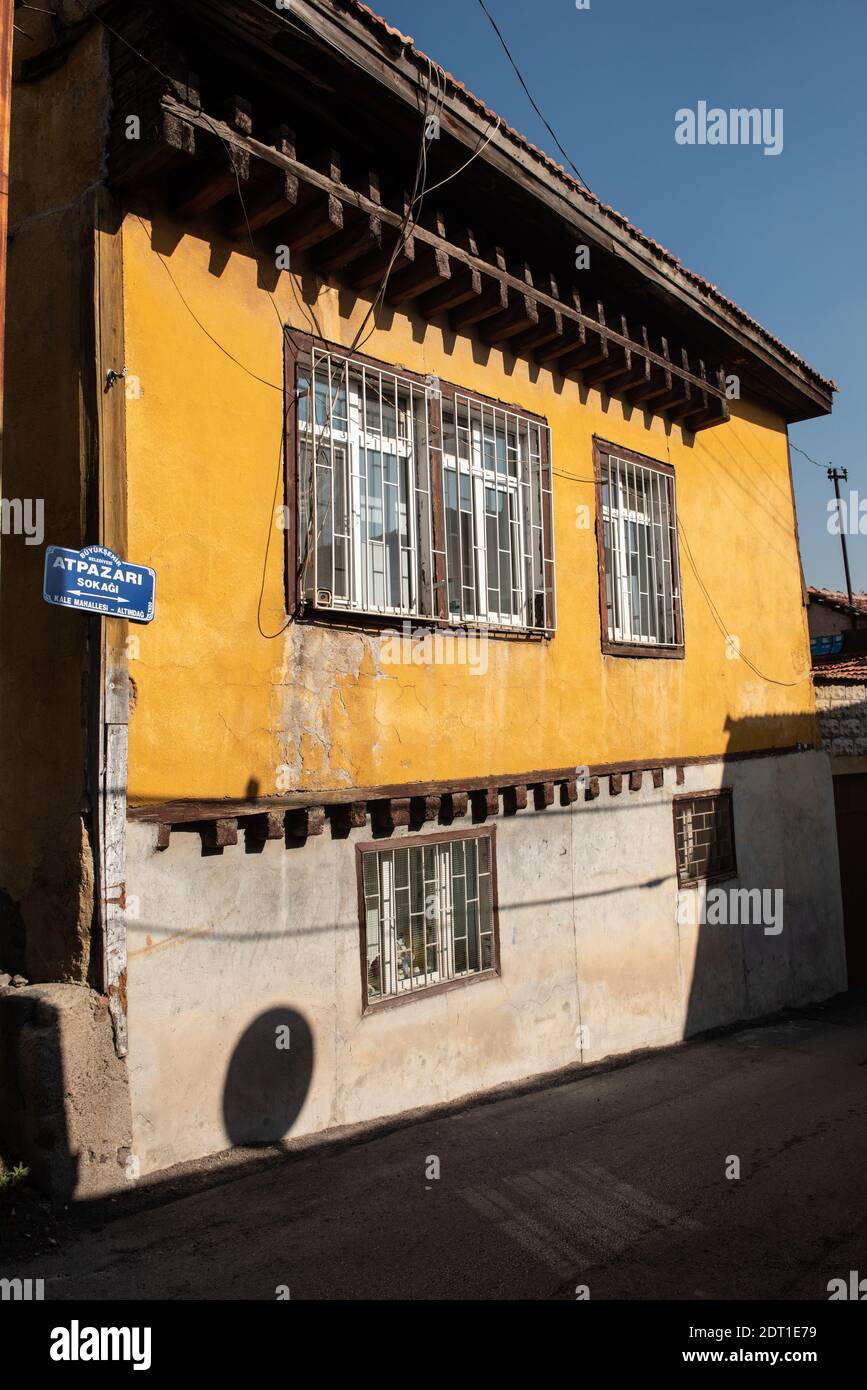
(227, 693)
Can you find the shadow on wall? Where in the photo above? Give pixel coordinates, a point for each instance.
(748, 958)
(268, 1078)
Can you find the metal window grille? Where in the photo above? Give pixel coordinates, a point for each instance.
(429, 915)
(642, 574)
(704, 837)
(497, 505)
(385, 461)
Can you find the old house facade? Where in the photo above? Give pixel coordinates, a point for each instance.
(458, 694)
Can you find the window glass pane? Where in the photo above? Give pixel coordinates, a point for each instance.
(640, 578)
(373, 534)
(428, 914)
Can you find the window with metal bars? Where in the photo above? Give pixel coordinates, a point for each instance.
(428, 914)
(418, 500)
(639, 569)
(704, 837)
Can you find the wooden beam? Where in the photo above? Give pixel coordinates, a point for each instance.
(464, 285)
(348, 246)
(485, 305)
(310, 820)
(280, 194)
(269, 825)
(658, 383)
(221, 176)
(320, 219)
(353, 816)
(492, 300)
(425, 275)
(427, 808)
(521, 314)
(392, 812)
(486, 803)
(279, 198)
(543, 795)
(514, 799)
(371, 269)
(216, 834)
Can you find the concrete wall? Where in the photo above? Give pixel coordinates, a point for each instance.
(65, 1108)
(225, 946)
(827, 622)
(843, 718)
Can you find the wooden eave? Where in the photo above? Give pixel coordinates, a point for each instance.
(442, 269)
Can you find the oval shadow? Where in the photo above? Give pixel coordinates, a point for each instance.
(268, 1077)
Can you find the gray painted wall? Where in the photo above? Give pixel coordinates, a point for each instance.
(596, 960)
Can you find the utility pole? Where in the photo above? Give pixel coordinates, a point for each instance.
(836, 474)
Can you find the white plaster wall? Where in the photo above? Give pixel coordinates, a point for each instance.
(589, 935)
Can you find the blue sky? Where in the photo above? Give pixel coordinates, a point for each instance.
(783, 236)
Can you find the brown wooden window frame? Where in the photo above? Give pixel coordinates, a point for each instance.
(721, 794)
(425, 991)
(430, 575)
(603, 450)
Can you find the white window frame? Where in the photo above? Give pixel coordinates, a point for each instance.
(644, 606)
(336, 450)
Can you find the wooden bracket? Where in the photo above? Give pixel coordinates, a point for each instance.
(216, 834)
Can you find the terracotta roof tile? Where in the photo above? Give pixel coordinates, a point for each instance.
(846, 667)
(835, 599)
(376, 23)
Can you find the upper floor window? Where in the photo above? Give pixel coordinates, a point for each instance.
(639, 568)
(415, 499)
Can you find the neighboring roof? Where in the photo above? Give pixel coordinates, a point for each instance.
(832, 598)
(379, 25)
(845, 668)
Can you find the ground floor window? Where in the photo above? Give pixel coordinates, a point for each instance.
(428, 910)
(704, 837)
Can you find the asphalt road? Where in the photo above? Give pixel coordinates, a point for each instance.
(616, 1181)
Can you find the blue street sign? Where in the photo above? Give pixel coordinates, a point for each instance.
(96, 580)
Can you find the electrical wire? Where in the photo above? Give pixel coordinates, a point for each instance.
(519, 75)
(823, 466)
